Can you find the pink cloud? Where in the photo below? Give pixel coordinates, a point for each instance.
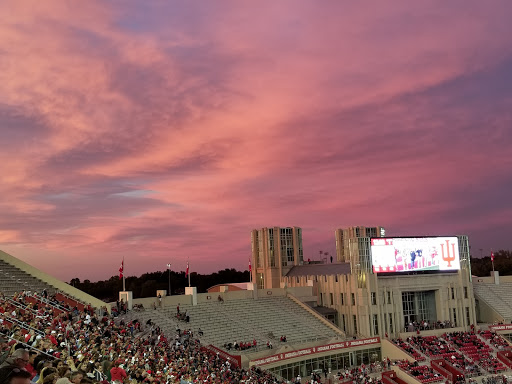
(173, 132)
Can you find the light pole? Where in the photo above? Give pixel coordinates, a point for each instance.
(169, 268)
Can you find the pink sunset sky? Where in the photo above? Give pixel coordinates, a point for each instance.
(161, 131)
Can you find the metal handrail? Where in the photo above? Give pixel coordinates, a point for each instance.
(46, 301)
(29, 346)
(21, 324)
(20, 305)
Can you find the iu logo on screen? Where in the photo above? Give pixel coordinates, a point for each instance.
(449, 256)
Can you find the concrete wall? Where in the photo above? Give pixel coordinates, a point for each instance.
(487, 314)
(431, 332)
(58, 284)
(392, 352)
(405, 376)
(317, 315)
(490, 279)
(173, 301)
(230, 287)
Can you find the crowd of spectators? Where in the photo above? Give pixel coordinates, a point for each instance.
(425, 325)
(422, 373)
(408, 349)
(363, 373)
(464, 350)
(51, 342)
(80, 347)
(494, 339)
(241, 346)
(431, 345)
(498, 379)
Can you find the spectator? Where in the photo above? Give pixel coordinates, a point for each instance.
(76, 377)
(30, 366)
(19, 359)
(118, 374)
(13, 375)
(45, 372)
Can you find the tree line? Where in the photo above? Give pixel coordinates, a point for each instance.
(482, 266)
(147, 284)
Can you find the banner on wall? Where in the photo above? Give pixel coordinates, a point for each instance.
(314, 350)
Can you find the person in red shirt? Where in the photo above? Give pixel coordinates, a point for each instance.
(118, 374)
(30, 366)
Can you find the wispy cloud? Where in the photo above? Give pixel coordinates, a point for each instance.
(171, 130)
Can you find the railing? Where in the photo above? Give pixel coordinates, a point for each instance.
(20, 305)
(71, 301)
(46, 301)
(29, 346)
(21, 324)
(236, 360)
(438, 366)
(390, 377)
(505, 357)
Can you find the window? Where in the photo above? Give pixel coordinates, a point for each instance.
(353, 296)
(321, 299)
(468, 317)
(287, 250)
(454, 310)
(391, 322)
(373, 298)
(332, 298)
(375, 325)
(453, 293)
(343, 326)
(271, 246)
(260, 281)
(389, 297)
(466, 293)
(342, 299)
(355, 324)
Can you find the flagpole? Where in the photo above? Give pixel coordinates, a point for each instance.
(124, 285)
(492, 260)
(250, 270)
(188, 269)
(169, 267)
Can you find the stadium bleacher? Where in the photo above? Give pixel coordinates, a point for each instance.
(85, 342)
(498, 297)
(246, 321)
(155, 346)
(14, 280)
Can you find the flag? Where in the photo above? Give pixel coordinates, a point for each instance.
(492, 256)
(186, 273)
(121, 269)
(250, 268)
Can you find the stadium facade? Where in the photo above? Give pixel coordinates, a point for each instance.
(275, 251)
(377, 286)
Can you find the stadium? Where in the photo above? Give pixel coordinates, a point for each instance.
(382, 310)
